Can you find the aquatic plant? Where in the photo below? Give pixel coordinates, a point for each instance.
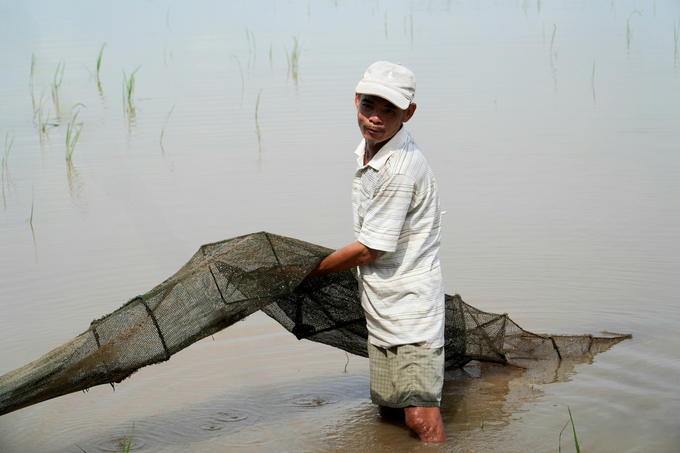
(165, 123)
(552, 40)
(571, 420)
(56, 84)
(5, 157)
(257, 124)
(240, 68)
(30, 220)
(257, 108)
(629, 32)
(271, 60)
(73, 131)
(99, 60)
(129, 91)
(252, 47)
(30, 79)
(126, 448)
(294, 58)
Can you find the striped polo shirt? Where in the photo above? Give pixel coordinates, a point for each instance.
(395, 207)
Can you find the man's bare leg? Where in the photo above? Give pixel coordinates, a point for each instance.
(426, 422)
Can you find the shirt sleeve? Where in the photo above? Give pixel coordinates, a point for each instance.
(385, 213)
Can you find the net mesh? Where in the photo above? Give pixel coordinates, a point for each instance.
(226, 281)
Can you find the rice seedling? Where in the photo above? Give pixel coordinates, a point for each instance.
(167, 54)
(5, 157)
(30, 219)
(129, 91)
(240, 68)
(30, 79)
(252, 46)
(257, 124)
(629, 31)
(126, 448)
(73, 131)
(552, 40)
(482, 425)
(165, 123)
(571, 420)
(56, 84)
(271, 60)
(294, 58)
(386, 35)
(99, 60)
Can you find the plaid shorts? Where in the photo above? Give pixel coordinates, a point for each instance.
(406, 375)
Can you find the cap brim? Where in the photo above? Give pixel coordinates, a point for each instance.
(384, 92)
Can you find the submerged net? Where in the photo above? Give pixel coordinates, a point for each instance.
(229, 280)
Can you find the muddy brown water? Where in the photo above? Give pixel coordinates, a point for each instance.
(553, 129)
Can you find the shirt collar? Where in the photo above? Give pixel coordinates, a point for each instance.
(379, 160)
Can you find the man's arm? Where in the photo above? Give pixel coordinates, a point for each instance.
(350, 256)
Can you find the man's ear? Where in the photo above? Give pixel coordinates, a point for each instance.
(408, 113)
(357, 99)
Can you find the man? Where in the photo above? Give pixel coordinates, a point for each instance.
(397, 230)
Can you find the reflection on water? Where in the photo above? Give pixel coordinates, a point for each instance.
(76, 186)
(563, 203)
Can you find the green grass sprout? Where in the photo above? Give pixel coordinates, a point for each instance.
(240, 68)
(386, 34)
(126, 448)
(99, 60)
(5, 157)
(257, 108)
(571, 420)
(573, 427)
(252, 47)
(271, 59)
(629, 31)
(257, 124)
(129, 91)
(30, 220)
(552, 40)
(592, 82)
(32, 74)
(293, 58)
(73, 131)
(56, 84)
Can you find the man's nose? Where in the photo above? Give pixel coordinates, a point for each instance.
(374, 117)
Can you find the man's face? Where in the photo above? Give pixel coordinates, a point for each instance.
(379, 119)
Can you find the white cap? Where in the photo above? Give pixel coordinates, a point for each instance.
(389, 81)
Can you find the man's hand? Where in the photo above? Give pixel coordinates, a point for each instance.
(350, 256)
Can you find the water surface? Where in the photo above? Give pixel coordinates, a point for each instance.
(553, 129)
